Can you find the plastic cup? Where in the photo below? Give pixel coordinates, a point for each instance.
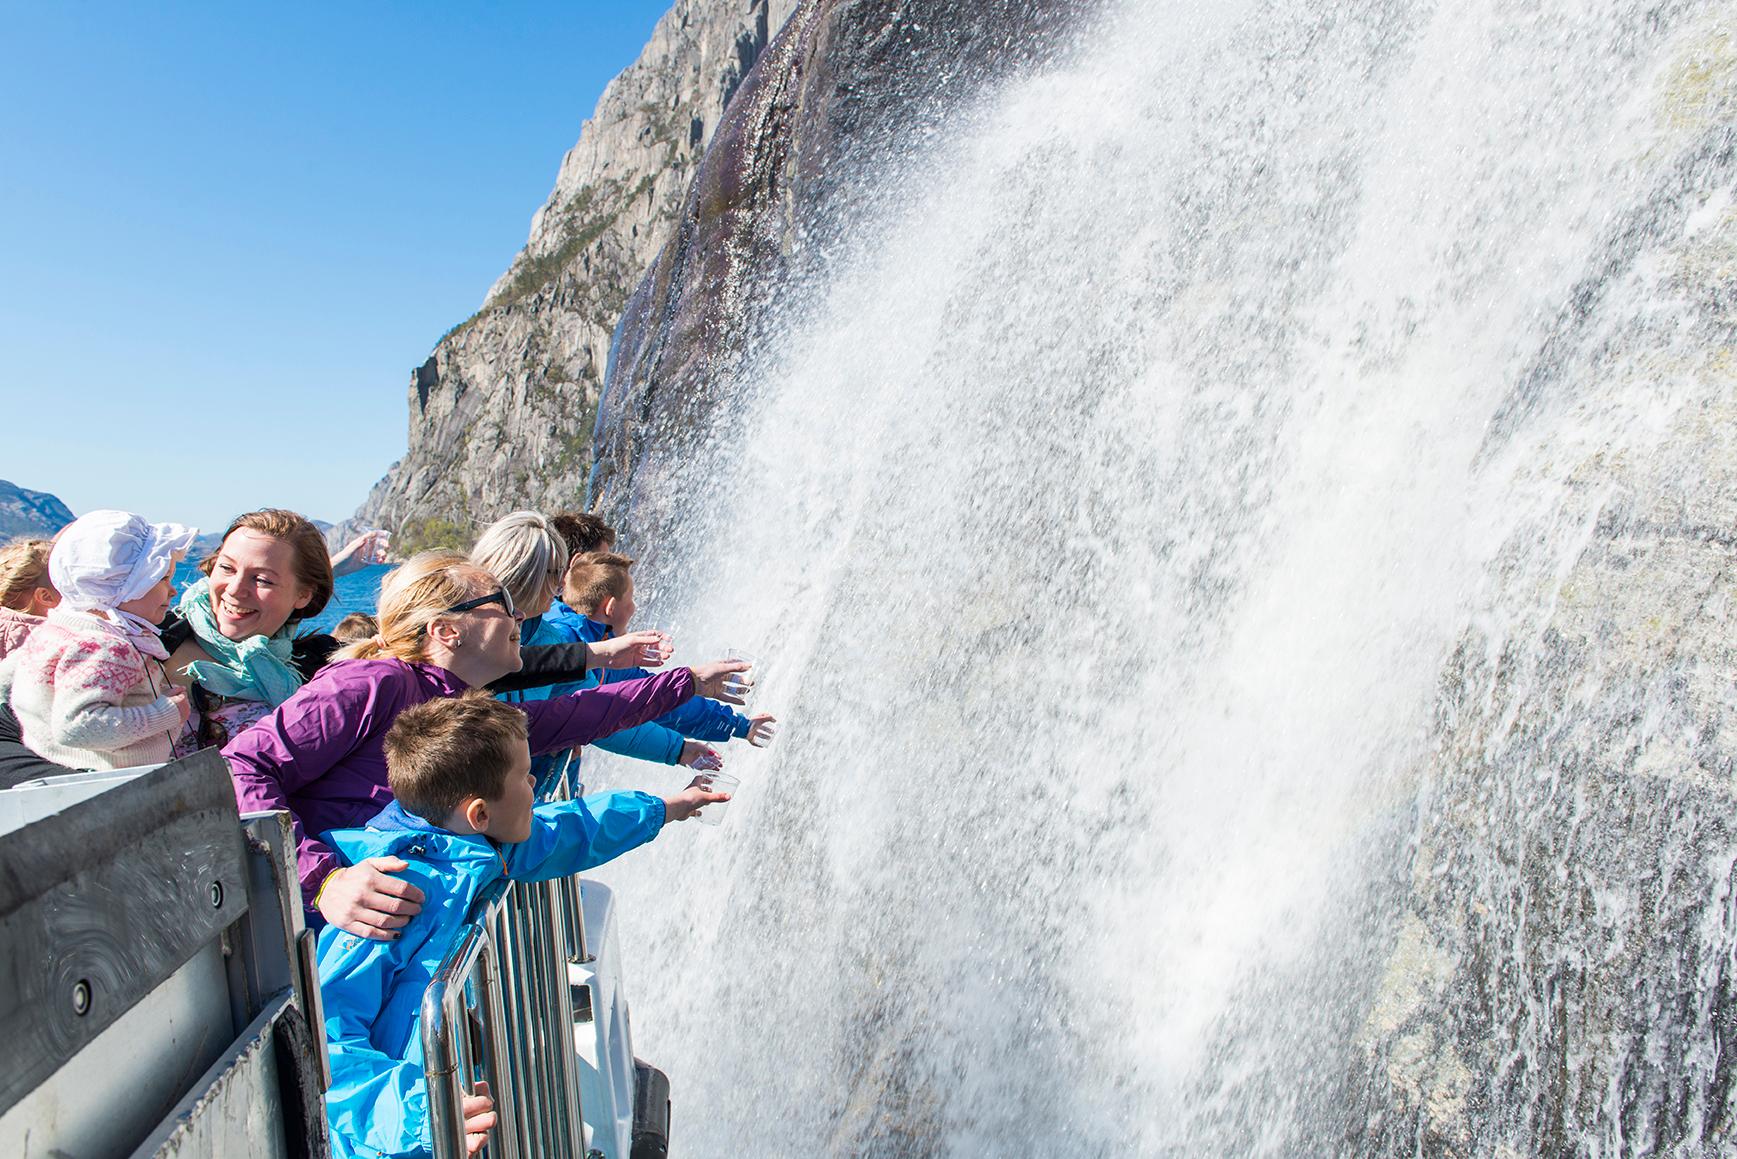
(742, 683)
(654, 653)
(713, 814)
(770, 729)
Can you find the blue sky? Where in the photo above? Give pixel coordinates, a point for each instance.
(228, 232)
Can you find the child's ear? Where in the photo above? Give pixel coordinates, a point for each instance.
(606, 609)
(476, 813)
(46, 598)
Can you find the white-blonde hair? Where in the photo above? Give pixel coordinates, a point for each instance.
(525, 553)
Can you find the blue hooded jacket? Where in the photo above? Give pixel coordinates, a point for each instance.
(378, 1101)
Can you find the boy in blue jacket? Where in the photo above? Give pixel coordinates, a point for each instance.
(598, 597)
(463, 815)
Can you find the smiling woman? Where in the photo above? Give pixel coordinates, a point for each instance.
(233, 642)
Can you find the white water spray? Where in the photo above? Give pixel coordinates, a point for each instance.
(1107, 524)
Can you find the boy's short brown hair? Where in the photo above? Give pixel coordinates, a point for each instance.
(442, 753)
(583, 531)
(593, 578)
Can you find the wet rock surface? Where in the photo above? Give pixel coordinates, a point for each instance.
(845, 89)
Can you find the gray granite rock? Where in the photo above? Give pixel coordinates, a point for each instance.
(846, 87)
(501, 412)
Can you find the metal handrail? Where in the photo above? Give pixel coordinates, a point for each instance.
(508, 969)
(566, 787)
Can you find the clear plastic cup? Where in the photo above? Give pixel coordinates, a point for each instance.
(742, 683)
(713, 814)
(653, 654)
(769, 733)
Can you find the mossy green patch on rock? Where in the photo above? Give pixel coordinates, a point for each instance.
(433, 534)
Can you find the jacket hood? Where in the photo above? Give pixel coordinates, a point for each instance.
(589, 630)
(560, 613)
(397, 832)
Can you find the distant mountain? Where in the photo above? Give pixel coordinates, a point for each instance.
(25, 512)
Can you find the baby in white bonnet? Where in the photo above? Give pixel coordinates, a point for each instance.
(88, 685)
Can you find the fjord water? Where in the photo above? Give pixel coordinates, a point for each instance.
(1159, 528)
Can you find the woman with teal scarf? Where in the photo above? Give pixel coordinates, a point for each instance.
(234, 640)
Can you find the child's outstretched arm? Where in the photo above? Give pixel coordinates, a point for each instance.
(645, 742)
(582, 717)
(570, 836)
(705, 719)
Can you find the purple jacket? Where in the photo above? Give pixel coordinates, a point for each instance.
(320, 753)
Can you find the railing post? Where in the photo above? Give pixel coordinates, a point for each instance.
(442, 1011)
(575, 1121)
(578, 952)
(492, 1000)
(469, 977)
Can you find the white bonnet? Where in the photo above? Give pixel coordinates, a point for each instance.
(105, 558)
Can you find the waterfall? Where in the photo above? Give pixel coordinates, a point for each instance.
(1240, 537)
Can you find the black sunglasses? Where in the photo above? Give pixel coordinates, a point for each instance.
(501, 597)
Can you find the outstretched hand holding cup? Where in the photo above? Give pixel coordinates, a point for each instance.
(723, 788)
(658, 651)
(720, 680)
(704, 789)
(700, 756)
(743, 684)
(762, 729)
(647, 649)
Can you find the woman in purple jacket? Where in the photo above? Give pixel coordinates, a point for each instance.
(445, 626)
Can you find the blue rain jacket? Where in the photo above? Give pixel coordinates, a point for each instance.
(378, 1102)
(699, 717)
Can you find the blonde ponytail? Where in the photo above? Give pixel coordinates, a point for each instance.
(411, 598)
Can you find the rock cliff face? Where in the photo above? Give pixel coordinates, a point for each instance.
(501, 412)
(847, 86)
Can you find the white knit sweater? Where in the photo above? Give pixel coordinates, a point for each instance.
(87, 698)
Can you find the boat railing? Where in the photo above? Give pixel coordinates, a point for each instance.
(500, 1009)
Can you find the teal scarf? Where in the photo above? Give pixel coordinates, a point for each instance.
(256, 668)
